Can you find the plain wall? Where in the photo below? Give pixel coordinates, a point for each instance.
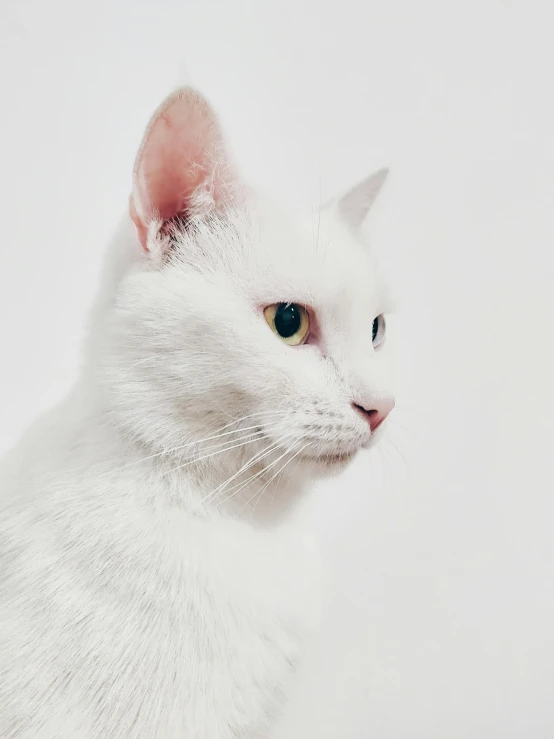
(440, 548)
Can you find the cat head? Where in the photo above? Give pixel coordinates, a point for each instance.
(240, 324)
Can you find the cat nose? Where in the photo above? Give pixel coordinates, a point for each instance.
(377, 412)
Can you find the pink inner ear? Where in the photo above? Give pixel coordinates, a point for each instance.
(181, 152)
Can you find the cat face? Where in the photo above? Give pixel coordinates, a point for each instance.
(241, 317)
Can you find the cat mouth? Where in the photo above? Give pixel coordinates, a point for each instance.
(330, 459)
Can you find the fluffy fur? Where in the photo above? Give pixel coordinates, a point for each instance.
(157, 577)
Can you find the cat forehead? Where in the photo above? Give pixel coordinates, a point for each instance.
(269, 257)
(317, 258)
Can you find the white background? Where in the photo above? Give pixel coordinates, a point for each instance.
(440, 623)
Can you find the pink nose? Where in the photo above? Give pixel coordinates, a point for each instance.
(376, 415)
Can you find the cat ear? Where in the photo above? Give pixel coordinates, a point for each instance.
(354, 206)
(182, 165)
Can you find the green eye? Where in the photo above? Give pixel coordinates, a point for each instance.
(289, 321)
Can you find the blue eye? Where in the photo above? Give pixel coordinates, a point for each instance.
(378, 331)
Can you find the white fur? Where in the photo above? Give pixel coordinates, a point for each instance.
(150, 585)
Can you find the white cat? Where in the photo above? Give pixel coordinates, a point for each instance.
(157, 576)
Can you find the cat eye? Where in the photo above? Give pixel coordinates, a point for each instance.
(290, 321)
(378, 331)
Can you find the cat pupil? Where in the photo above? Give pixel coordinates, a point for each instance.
(375, 328)
(287, 319)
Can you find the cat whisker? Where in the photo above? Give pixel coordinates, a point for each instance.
(251, 438)
(400, 454)
(238, 486)
(260, 493)
(394, 422)
(260, 473)
(195, 442)
(250, 463)
(295, 467)
(264, 487)
(214, 450)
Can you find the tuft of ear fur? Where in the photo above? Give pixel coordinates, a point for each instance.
(354, 206)
(182, 166)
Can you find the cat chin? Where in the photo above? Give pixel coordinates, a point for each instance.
(326, 465)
